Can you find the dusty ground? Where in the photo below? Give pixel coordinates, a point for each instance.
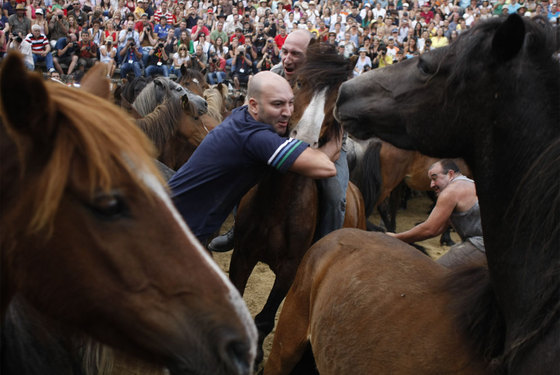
(262, 278)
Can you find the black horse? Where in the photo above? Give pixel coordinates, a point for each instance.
(493, 98)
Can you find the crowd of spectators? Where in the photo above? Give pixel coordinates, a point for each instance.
(231, 39)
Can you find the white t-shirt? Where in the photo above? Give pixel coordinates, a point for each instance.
(25, 49)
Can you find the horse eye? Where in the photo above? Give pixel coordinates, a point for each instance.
(425, 67)
(109, 206)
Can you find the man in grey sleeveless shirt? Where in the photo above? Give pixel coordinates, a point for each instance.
(457, 205)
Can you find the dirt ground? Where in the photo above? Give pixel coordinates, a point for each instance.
(262, 278)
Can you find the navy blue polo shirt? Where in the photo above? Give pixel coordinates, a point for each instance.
(230, 160)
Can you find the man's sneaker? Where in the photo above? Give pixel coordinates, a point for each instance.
(222, 243)
(51, 70)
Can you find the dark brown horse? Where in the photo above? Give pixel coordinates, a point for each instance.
(492, 98)
(276, 220)
(83, 210)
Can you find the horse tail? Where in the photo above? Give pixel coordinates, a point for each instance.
(369, 176)
(474, 307)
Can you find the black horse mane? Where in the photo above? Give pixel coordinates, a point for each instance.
(536, 208)
(324, 67)
(32, 344)
(131, 89)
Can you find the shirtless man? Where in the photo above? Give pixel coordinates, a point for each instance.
(457, 205)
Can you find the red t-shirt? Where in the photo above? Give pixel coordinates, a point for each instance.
(279, 40)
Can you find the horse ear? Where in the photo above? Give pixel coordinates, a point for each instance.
(25, 104)
(509, 38)
(95, 81)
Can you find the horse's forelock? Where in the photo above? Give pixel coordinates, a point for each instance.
(324, 67)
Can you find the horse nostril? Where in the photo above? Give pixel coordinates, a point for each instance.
(236, 357)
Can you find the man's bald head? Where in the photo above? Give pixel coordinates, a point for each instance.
(264, 82)
(294, 50)
(271, 100)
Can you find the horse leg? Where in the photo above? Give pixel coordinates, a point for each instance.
(290, 339)
(265, 319)
(445, 238)
(388, 217)
(240, 268)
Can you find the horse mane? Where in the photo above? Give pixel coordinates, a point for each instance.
(152, 95)
(147, 100)
(536, 204)
(160, 124)
(324, 67)
(216, 102)
(86, 134)
(131, 89)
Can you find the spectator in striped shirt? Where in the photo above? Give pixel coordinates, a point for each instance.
(162, 11)
(40, 47)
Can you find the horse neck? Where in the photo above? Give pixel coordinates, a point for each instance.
(521, 247)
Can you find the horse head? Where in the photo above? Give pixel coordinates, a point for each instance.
(91, 239)
(193, 103)
(447, 96)
(315, 94)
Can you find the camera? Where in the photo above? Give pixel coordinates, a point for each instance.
(19, 39)
(129, 29)
(160, 45)
(60, 16)
(147, 28)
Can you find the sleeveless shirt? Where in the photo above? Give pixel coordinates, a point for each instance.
(467, 223)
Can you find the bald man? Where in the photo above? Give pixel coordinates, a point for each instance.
(293, 54)
(235, 155)
(332, 191)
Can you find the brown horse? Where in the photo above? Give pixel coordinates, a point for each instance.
(468, 99)
(178, 125)
(378, 168)
(366, 303)
(83, 211)
(276, 220)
